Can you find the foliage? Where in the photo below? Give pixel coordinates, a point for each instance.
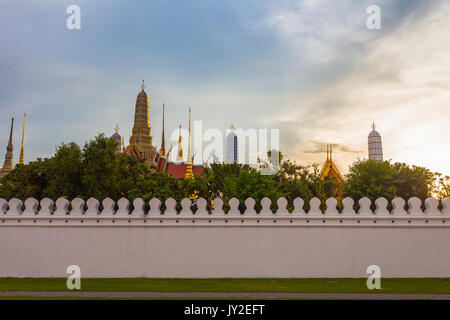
(96, 170)
(375, 179)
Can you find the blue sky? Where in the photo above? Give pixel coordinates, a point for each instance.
(310, 68)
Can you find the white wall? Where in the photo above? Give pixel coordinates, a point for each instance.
(224, 251)
(40, 242)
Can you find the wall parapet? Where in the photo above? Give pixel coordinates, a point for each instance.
(47, 212)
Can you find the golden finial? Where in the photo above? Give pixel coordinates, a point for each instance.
(180, 148)
(143, 85)
(23, 139)
(163, 140)
(117, 128)
(373, 125)
(189, 137)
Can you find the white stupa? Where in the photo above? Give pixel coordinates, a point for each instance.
(232, 147)
(375, 146)
(119, 140)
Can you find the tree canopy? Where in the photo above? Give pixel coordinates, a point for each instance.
(97, 170)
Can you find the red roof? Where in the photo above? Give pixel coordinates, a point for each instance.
(177, 169)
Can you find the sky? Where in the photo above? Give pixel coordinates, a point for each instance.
(310, 68)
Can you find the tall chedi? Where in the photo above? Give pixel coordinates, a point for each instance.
(180, 147)
(141, 139)
(190, 159)
(23, 139)
(8, 164)
(375, 146)
(163, 138)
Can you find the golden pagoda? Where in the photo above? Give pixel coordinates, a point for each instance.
(329, 169)
(141, 139)
(23, 140)
(162, 150)
(190, 160)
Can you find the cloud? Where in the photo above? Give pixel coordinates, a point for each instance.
(401, 83)
(314, 146)
(310, 68)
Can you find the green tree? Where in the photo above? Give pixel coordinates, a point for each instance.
(101, 169)
(375, 179)
(413, 181)
(65, 169)
(370, 179)
(27, 181)
(441, 186)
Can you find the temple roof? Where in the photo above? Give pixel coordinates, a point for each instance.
(329, 168)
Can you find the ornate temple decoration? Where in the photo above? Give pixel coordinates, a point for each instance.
(119, 140)
(375, 145)
(8, 164)
(23, 139)
(162, 150)
(180, 147)
(190, 159)
(329, 169)
(141, 139)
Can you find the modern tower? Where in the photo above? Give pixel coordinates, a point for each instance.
(375, 146)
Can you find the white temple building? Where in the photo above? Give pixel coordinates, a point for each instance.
(116, 136)
(232, 147)
(375, 145)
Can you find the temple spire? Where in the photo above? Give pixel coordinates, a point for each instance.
(23, 139)
(190, 160)
(8, 164)
(180, 147)
(189, 141)
(141, 140)
(163, 142)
